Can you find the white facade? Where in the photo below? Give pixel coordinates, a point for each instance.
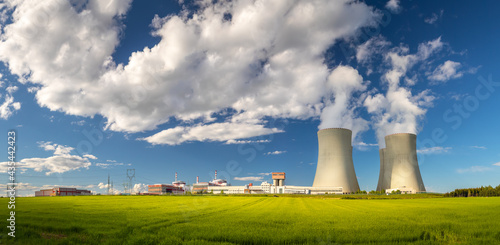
(227, 189)
(266, 186)
(289, 189)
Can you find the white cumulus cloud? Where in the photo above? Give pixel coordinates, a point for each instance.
(265, 61)
(249, 178)
(8, 107)
(102, 186)
(11, 89)
(62, 161)
(374, 45)
(265, 174)
(434, 150)
(434, 17)
(393, 5)
(222, 132)
(275, 153)
(447, 71)
(109, 164)
(55, 164)
(142, 188)
(238, 142)
(90, 156)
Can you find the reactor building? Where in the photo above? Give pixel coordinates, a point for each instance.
(399, 165)
(335, 166)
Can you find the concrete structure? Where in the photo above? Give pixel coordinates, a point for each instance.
(62, 191)
(278, 178)
(399, 165)
(179, 183)
(218, 182)
(244, 189)
(161, 189)
(290, 189)
(335, 166)
(200, 187)
(266, 186)
(381, 182)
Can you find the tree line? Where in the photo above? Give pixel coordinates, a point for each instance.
(483, 191)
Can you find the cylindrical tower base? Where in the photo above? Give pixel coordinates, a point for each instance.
(401, 168)
(335, 166)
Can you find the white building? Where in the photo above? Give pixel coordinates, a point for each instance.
(266, 187)
(227, 189)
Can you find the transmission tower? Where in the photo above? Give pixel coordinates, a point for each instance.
(130, 176)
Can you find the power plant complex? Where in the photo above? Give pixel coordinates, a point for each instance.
(335, 174)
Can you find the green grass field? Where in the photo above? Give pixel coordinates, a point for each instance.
(252, 220)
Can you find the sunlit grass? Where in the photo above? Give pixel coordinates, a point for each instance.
(253, 220)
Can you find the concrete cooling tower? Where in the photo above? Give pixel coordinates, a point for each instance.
(335, 166)
(399, 165)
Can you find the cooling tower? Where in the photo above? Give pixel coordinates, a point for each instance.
(335, 167)
(399, 164)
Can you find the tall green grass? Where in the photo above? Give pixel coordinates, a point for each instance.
(252, 220)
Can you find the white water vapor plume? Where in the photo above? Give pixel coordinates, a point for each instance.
(399, 110)
(340, 106)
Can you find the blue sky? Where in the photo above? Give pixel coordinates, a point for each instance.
(95, 88)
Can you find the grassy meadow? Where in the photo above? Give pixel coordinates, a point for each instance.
(252, 220)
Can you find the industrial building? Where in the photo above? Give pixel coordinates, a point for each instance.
(245, 189)
(218, 182)
(266, 188)
(399, 168)
(199, 187)
(178, 183)
(62, 191)
(335, 165)
(177, 187)
(162, 189)
(335, 174)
